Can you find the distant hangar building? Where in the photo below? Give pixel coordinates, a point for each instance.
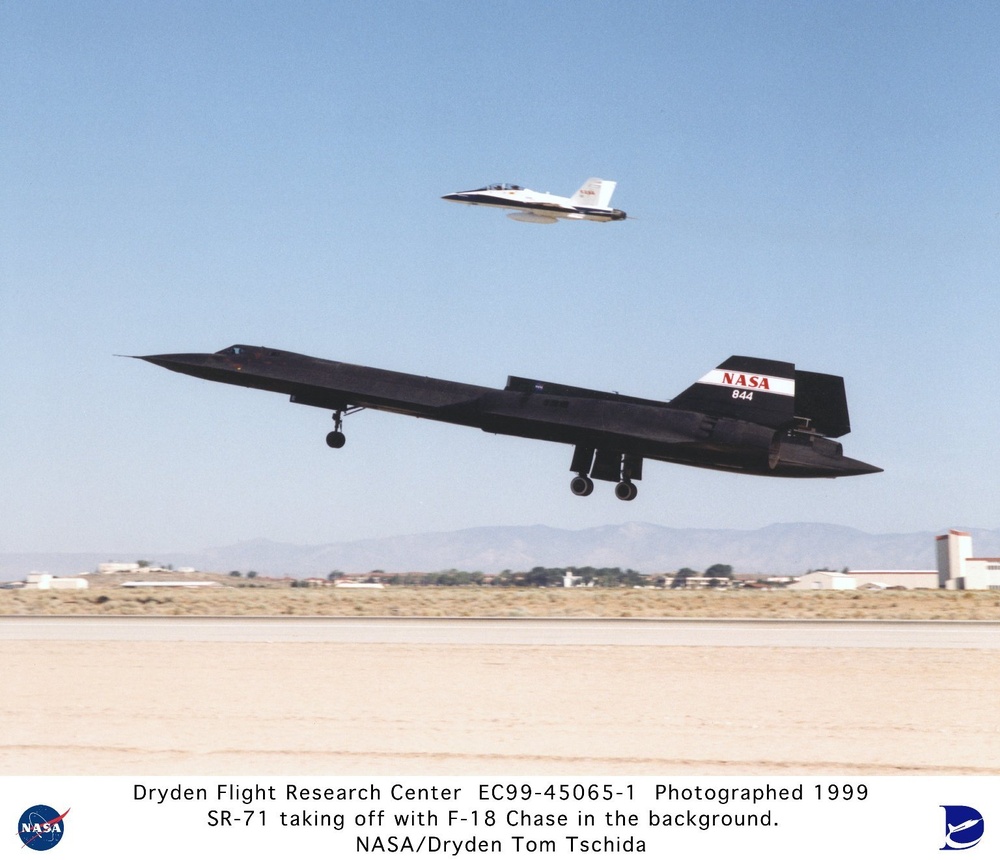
(959, 570)
(866, 579)
(896, 578)
(824, 579)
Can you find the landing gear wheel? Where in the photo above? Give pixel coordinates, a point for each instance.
(335, 439)
(581, 485)
(626, 491)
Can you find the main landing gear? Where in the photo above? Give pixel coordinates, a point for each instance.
(581, 485)
(605, 466)
(626, 491)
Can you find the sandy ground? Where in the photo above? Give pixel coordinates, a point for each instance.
(286, 708)
(505, 602)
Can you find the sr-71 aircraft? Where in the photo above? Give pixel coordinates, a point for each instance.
(590, 203)
(749, 415)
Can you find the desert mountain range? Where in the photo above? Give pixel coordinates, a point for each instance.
(789, 549)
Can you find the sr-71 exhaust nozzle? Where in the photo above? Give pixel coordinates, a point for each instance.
(591, 203)
(749, 415)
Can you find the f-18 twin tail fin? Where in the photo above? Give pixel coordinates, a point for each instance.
(595, 193)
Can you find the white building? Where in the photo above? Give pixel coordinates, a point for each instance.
(118, 567)
(959, 570)
(165, 583)
(44, 581)
(348, 583)
(824, 579)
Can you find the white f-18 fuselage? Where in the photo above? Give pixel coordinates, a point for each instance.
(590, 203)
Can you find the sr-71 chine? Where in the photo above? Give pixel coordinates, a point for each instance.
(590, 203)
(749, 415)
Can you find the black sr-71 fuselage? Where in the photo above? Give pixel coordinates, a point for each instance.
(749, 415)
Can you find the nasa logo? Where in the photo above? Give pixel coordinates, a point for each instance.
(963, 828)
(745, 380)
(41, 827)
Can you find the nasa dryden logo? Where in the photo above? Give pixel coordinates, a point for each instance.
(41, 827)
(963, 828)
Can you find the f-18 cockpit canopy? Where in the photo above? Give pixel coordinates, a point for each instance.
(500, 187)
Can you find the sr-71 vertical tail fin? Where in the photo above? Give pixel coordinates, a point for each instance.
(751, 389)
(771, 393)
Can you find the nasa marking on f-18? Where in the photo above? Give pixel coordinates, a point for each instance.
(749, 415)
(590, 203)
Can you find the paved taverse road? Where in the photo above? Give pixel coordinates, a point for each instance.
(512, 631)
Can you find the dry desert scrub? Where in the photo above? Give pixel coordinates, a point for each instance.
(477, 601)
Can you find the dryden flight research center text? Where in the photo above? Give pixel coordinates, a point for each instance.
(475, 816)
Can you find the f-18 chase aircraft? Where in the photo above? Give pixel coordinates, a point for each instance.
(590, 203)
(749, 415)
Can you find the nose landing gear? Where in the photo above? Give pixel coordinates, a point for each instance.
(336, 438)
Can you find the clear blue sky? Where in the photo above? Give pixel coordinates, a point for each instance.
(811, 182)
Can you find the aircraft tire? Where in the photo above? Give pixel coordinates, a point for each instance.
(626, 491)
(335, 439)
(581, 485)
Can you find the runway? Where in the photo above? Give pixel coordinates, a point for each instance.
(511, 631)
(255, 696)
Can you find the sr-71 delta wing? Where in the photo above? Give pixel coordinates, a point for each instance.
(749, 415)
(590, 203)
